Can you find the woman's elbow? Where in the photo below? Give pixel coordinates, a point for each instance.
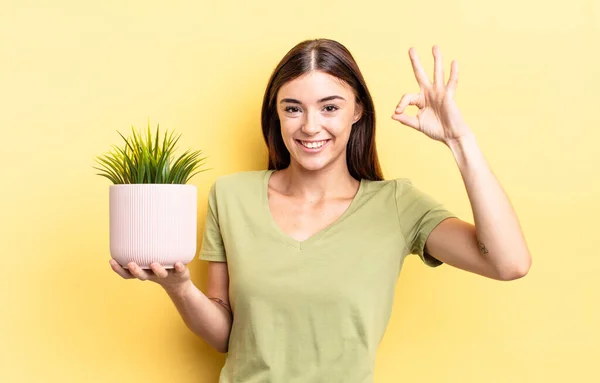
(517, 271)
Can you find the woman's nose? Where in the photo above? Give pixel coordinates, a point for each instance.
(311, 124)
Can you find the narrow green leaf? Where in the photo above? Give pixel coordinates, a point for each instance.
(143, 159)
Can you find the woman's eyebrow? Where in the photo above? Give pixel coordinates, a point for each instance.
(290, 100)
(335, 97)
(328, 98)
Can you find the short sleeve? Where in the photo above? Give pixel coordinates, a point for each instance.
(212, 242)
(418, 215)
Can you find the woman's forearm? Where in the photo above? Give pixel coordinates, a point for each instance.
(206, 318)
(499, 234)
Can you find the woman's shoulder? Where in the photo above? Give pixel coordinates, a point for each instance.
(242, 177)
(401, 190)
(389, 184)
(240, 181)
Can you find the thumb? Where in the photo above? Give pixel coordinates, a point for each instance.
(179, 268)
(410, 121)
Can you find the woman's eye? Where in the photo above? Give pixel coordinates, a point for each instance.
(331, 108)
(292, 109)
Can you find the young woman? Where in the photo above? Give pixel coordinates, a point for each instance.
(304, 257)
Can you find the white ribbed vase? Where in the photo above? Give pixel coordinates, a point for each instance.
(153, 223)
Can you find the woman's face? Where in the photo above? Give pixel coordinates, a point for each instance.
(316, 112)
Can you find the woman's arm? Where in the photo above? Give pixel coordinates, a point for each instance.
(494, 247)
(208, 316)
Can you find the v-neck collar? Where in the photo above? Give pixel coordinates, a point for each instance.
(307, 242)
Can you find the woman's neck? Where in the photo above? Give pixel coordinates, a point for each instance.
(331, 182)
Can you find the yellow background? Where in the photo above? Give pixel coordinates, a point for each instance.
(74, 72)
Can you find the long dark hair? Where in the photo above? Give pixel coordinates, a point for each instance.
(331, 57)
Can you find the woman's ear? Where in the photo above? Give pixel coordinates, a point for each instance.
(358, 109)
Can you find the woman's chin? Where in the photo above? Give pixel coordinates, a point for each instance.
(313, 164)
(312, 168)
(317, 162)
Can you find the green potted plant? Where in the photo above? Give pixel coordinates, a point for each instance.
(153, 212)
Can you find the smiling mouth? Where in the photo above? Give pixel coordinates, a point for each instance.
(312, 144)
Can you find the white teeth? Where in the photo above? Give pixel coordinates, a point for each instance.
(313, 145)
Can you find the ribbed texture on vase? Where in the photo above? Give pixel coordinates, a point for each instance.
(153, 223)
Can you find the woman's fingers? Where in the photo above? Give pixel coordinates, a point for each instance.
(158, 270)
(407, 120)
(453, 80)
(438, 72)
(157, 273)
(420, 74)
(179, 268)
(119, 270)
(406, 100)
(138, 272)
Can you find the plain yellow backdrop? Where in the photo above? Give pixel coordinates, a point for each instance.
(72, 73)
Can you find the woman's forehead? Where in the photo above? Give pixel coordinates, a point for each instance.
(315, 86)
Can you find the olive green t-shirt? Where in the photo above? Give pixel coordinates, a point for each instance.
(315, 310)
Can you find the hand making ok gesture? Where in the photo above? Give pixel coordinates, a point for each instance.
(438, 116)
